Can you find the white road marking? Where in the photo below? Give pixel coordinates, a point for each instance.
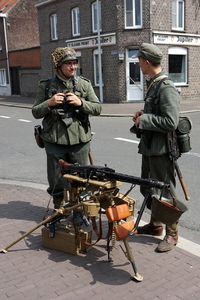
(193, 154)
(126, 140)
(5, 117)
(22, 120)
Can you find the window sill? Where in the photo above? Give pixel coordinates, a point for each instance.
(178, 30)
(181, 84)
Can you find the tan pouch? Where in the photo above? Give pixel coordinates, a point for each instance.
(118, 212)
(122, 230)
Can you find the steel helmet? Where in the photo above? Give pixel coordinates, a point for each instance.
(60, 55)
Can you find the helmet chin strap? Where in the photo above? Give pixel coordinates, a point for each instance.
(59, 69)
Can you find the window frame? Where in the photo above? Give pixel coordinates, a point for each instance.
(176, 17)
(3, 77)
(94, 25)
(182, 52)
(133, 12)
(75, 13)
(53, 27)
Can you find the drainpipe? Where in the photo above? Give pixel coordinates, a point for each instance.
(99, 54)
(4, 16)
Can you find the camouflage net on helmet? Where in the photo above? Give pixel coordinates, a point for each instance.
(60, 53)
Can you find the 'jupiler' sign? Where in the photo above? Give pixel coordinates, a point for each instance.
(163, 38)
(106, 40)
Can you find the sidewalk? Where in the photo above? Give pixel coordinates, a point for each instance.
(108, 109)
(30, 271)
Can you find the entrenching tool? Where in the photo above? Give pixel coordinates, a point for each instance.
(182, 182)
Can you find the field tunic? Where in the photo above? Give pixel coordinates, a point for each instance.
(163, 119)
(61, 133)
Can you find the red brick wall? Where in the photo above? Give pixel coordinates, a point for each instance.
(29, 58)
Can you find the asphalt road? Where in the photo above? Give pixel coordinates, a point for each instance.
(112, 144)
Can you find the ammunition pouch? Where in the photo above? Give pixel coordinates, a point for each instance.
(37, 132)
(83, 118)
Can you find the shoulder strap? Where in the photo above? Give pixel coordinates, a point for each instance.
(47, 86)
(157, 87)
(156, 93)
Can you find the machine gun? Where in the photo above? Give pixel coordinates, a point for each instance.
(99, 173)
(93, 189)
(104, 173)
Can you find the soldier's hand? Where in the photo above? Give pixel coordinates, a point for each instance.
(137, 114)
(56, 99)
(71, 98)
(137, 122)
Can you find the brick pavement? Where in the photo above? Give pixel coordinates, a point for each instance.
(30, 271)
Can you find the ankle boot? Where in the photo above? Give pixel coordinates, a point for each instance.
(150, 229)
(170, 240)
(167, 243)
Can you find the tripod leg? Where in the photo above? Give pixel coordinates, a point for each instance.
(5, 250)
(130, 257)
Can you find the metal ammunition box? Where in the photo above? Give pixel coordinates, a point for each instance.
(65, 240)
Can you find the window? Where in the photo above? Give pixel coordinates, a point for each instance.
(53, 24)
(2, 77)
(94, 16)
(133, 13)
(75, 21)
(178, 14)
(96, 67)
(178, 65)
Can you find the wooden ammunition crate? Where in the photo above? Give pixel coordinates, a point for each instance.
(65, 240)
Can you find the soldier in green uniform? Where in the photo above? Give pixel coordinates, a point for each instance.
(154, 124)
(65, 103)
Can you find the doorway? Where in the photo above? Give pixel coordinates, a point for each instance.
(14, 80)
(134, 77)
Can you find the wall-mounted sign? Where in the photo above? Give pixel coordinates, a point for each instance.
(176, 39)
(90, 42)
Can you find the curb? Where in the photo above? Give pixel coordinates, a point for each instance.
(29, 106)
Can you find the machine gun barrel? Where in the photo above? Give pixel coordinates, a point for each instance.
(149, 183)
(102, 173)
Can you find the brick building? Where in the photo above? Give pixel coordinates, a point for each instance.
(173, 25)
(20, 51)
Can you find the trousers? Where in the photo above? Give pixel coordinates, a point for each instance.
(162, 169)
(72, 154)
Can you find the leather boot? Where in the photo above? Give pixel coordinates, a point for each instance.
(167, 243)
(150, 229)
(58, 202)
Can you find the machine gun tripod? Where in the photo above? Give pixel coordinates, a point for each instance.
(93, 188)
